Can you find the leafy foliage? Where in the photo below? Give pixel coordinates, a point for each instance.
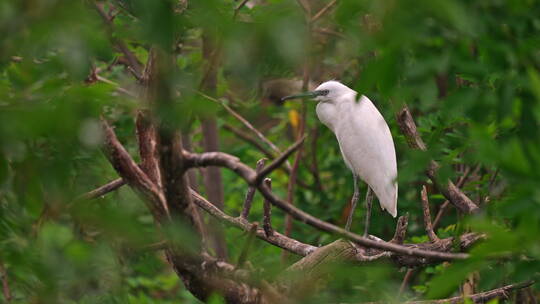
(469, 71)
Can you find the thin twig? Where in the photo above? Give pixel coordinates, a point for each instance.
(323, 11)
(101, 191)
(239, 7)
(406, 279)
(427, 217)
(251, 191)
(482, 297)
(246, 123)
(279, 160)
(135, 74)
(267, 211)
(249, 139)
(269, 154)
(117, 86)
(131, 58)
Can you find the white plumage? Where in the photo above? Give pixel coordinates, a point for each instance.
(364, 139)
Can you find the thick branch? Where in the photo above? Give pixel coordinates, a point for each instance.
(451, 192)
(228, 161)
(444, 205)
(302, 249)
(147, 138)
(308, 273)
(131, 173)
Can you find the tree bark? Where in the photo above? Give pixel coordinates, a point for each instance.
(212, 177)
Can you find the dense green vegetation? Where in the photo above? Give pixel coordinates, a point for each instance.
(468, 70)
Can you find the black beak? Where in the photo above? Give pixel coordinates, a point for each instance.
(311, 94)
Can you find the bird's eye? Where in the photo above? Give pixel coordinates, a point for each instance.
(324, 92)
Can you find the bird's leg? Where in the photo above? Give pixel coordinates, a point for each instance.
(354, 200)
(369, 199)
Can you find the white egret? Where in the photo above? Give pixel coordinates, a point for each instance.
(365, 142)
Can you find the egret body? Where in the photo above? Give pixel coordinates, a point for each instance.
(365, 142)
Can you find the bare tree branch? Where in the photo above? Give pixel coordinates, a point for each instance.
(228, 161)
(147, 139)
(247, 124)
(449, 190)
(239, 7)
(446, 203)
(408, 128)
(409, 254)
(101, 191)
(247, 138)
(131, 58)
(209, 158)
(267, 211)
(401, 229)
(279, 160)
(269, 154)
(427, 217)
(251, 192)
(132, 174)
(323, 11)
(406, 279)
(276, 238)
(482, 297)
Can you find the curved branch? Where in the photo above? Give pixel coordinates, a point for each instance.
(279, 160)
(231, 162)
(276, 238)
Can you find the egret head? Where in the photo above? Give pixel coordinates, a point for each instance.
(329, 91)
